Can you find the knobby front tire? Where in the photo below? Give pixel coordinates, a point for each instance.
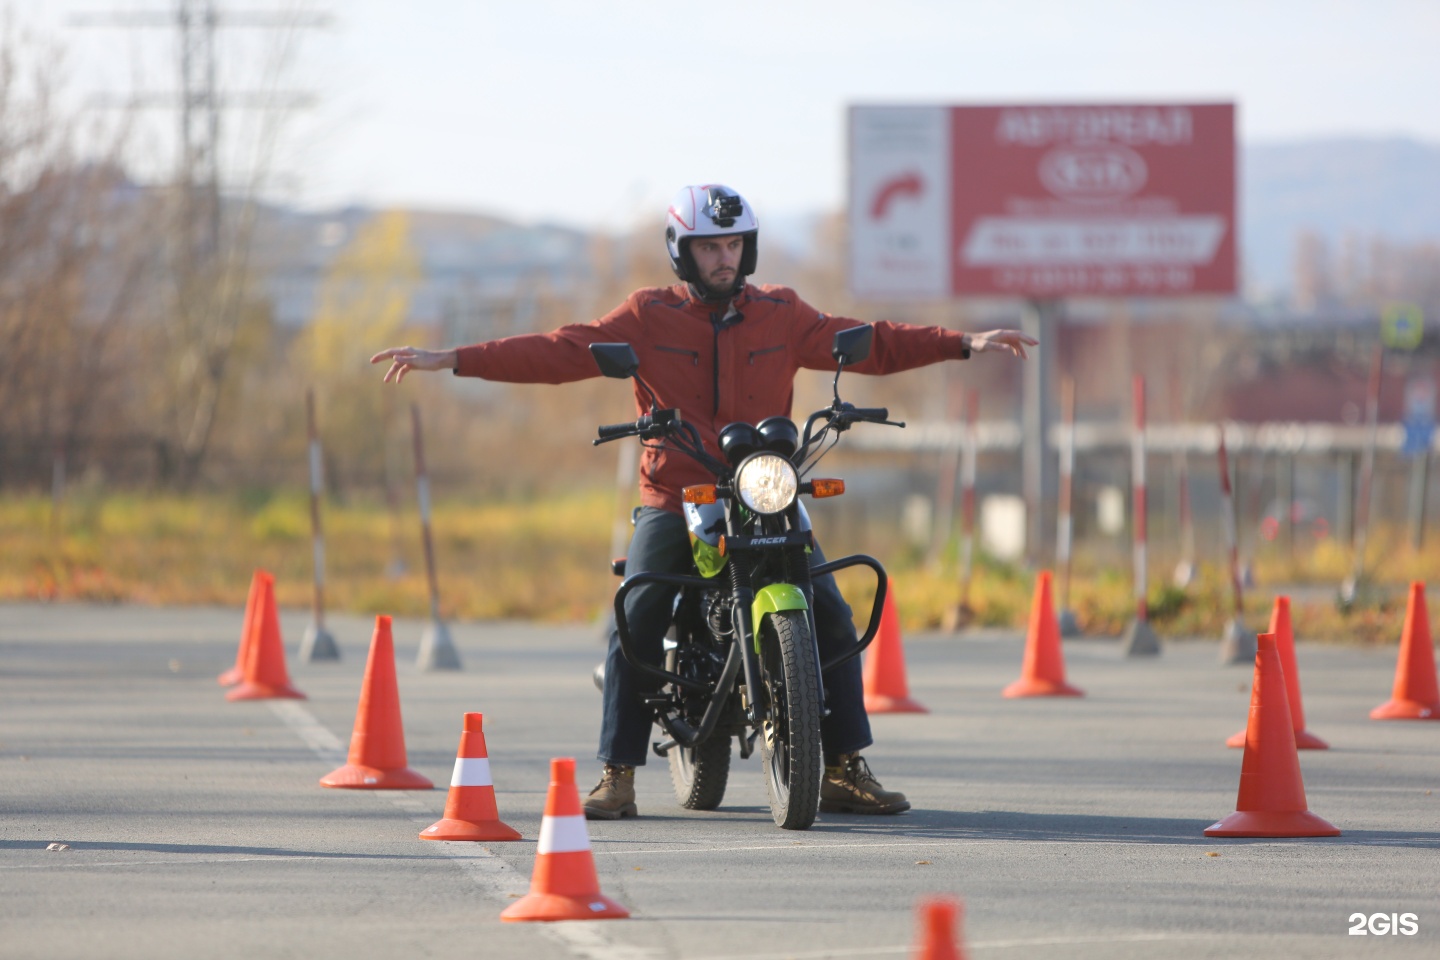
(699, 773)
(790, 741)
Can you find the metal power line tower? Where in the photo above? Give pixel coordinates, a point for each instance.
(200, 102)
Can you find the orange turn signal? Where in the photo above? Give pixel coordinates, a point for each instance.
(704, 493)
(827, 488)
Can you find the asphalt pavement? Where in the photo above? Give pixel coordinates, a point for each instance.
(1069, 827)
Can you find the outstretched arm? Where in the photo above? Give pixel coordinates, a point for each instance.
(404, 359)
(1012, 341)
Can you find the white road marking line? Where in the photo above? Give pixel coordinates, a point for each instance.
(972, 945)
(311, 732)
(823, 846)
(496, 879)
(178, 862)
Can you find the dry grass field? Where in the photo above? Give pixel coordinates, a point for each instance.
(545, 559)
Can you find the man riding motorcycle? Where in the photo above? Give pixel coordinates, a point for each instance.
(720, 350)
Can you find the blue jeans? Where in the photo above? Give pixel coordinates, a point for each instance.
(661, 544)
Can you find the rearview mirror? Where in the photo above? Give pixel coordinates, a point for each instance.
(615, 360)
(853, 345)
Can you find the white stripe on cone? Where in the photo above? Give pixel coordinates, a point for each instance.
(471, 772)
(563, 835)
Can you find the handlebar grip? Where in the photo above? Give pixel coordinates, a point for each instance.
(872, 413)
(614, 431)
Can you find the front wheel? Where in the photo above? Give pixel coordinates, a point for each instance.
(790, 739)
(698, 773)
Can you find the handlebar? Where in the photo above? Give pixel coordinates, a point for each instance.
(614, 431)
(655, 425)
(874, 414)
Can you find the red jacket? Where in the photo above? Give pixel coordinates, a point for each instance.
(715, 373)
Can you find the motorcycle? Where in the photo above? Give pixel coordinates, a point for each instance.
(741, 659)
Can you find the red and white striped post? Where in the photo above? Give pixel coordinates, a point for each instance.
(962, 613)
(968, 469)
(437, 651)
(1069, 625)
(1185, 566)
(317, 644)
(1139, 638)
(1237, 645)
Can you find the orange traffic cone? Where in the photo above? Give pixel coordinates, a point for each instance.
(252, 603)
(265, 675)
(1043, 672)
(1285, 641)
(939, 920)
(884, 674)
(1272, 794)
(1415, 696)
(377, 758)
(470, 812)
(564, 885)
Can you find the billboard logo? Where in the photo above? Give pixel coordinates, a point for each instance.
(1093, 174)
(907, 184)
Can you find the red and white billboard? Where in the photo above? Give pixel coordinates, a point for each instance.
(1042, 201)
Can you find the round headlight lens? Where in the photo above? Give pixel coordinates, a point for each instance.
(767, 483)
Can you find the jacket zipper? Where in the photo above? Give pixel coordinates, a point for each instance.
(761, 353)
(715, 374)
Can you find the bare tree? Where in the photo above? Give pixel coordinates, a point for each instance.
(216, 292)
(67, 282)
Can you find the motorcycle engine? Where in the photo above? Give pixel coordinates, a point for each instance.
(715, 608)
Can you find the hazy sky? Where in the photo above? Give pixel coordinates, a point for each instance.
(593, 112)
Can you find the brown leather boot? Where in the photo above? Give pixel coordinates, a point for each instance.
(850, 787)
(614, 796)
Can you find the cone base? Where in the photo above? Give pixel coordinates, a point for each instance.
(1281, 823)
(957, 618)
(1034, 687)
(1069, 624)
(491, 830)
(248, 690)
(1139, 640)
(879, 703)
(230, 677)
(555, 906)
(1304, 740)
(1406, 710)
(353, 776)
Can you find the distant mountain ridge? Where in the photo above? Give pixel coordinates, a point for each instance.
(1372, 187)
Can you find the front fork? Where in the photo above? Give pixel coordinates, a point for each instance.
(757, 708)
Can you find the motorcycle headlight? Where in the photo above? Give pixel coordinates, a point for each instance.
(767, 483)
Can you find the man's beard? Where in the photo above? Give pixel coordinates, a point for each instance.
(713, 294)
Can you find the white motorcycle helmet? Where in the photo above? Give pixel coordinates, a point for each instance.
(709, 210)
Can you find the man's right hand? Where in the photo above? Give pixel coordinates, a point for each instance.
(404, 359)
